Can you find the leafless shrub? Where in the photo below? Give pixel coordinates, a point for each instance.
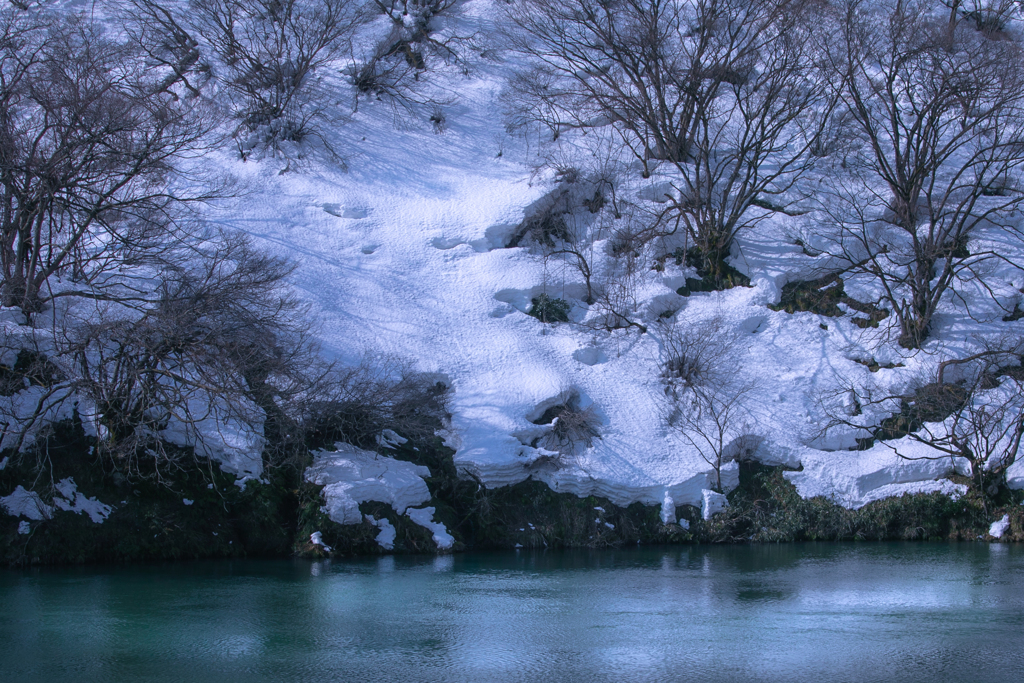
(219, 342)
(355, 404)
(267, 54)
(572, 428)
(392, 70)
(693, 355)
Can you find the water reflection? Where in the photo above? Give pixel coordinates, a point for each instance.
(878, 612)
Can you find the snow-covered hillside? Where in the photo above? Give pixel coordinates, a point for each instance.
(405, 254)
(401, 239)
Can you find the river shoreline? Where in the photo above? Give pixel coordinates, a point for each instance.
(206, 513)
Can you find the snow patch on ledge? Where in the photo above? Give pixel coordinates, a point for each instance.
(74, 501)
(855, 478)
(351, 475)
(24, 503)
(425, 518)
(236, 445)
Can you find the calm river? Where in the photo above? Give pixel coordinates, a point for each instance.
(804, 612)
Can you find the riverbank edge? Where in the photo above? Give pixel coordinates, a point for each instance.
(200, 511)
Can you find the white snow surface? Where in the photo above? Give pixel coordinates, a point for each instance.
(425, 518)
(999, 527)
(350, 476)
(386, 538)
(29, 504)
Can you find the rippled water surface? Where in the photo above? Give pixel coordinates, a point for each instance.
(805, 612)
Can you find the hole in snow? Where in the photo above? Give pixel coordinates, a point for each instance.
(370, 248)
(590, 355)
(342, 212)
(743, 448)
(574, 422)
(665, 305)
(445, 243)
(754, 324)
(523, 299)
(495, 237)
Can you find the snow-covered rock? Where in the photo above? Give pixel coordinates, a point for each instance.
(24, 503)
(72, 500)
(350, 476)
(317, 538)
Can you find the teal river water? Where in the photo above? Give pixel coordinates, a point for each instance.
(802, 612)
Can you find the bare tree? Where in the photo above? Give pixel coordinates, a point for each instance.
(973, 409)
(354, 404)
(217, 342)
(987, 15)
(693, 355)
(938, 105)
(722, 90)
(391, 70)
(166, 40)
(88, 139)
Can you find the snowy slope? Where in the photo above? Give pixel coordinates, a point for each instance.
(403, 254)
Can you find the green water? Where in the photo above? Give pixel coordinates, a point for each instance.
(804, 612)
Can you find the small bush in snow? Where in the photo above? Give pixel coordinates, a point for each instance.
(572, 428)
(548, 310)
(694, 355)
